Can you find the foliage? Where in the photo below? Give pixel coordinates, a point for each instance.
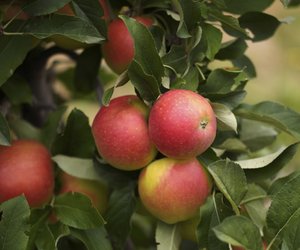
(247, 206)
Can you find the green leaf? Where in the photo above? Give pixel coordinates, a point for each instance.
(272, 162)
(13, 50)
(228, 22)
(239, 231)
(86, 71)
(231, 99)
(77, 167)
(256, 135)
(76, 210)
(107, 95)
(176, 59)
(254, 203)
(212, 37)
(45, 239)
(245, 63)
(291, 234)
(240, 7)
(232, 49)
(226, 119)
(220, 81)
(122, 204)
(284, 209)
(50, 129)
(167, 236)
(14, 224)
(232, 145)
(203, 227)
(274, 114)
(231, 181)
(5, 138)
(43, 7)
(17, 90)
(91, 11)
(279, 183)
(260, 24)
(76, 139)
(93, 239)
(69, 26)
(59, 230)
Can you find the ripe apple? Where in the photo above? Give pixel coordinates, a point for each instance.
(95, 190)
(26, 168)
(173, 190)
(121, 133)
(118, 50)
(182, 124)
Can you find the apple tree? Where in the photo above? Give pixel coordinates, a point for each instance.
(182, 162)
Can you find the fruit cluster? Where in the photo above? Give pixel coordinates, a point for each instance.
(180, 125)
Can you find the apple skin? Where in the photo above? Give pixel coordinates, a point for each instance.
(182, 124)
(26, 168)
(121, 133)
(118, 50)
(173, 190)
(95, 190)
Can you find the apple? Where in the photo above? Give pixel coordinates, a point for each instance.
(95, 190)
(121, 134)
(173, 190)
(182, 124)
(118, 50)
(26, 168)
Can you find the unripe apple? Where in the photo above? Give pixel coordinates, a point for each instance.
(173, 190)
(26, 168)
(121, 133)
(118, 50)
(182, 124)
(95, 190)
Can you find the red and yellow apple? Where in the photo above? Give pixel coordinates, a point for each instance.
(173, 190)
(121, 133)
(95, 190)
(118, 50)
(182, 124)
(26, 168)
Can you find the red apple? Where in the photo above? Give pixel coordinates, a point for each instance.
(182, 124)
(118, 50)
(95, 190)
(26, 168)
(173, 190)
(121, 133)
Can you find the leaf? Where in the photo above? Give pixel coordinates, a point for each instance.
(240, 7)
(50, 129)
(245, 63)
(146, 84)
(291, 234)
(246, 236)
(274, 114)
(176, 59)
(91, 11)
(279, 183)
(76, 139)
(290, 3)
(167, 236)
(254, 203)
(231, 181)
(231, 99)
(122, 204)
(213, 37)
(93, 239)
(69, 26)
(17, 90)
(284, 209)
(86, 71)
(43, 7)
(256, 135)
(232, 49)
(226, 119)
(77, 167)
(260, 24)
(76, 210)
(264, 161)
(45, 239)
(13, 50)
(14, 224)
(5, 138)
(59, 230)
(203, 227)
(108, 93)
